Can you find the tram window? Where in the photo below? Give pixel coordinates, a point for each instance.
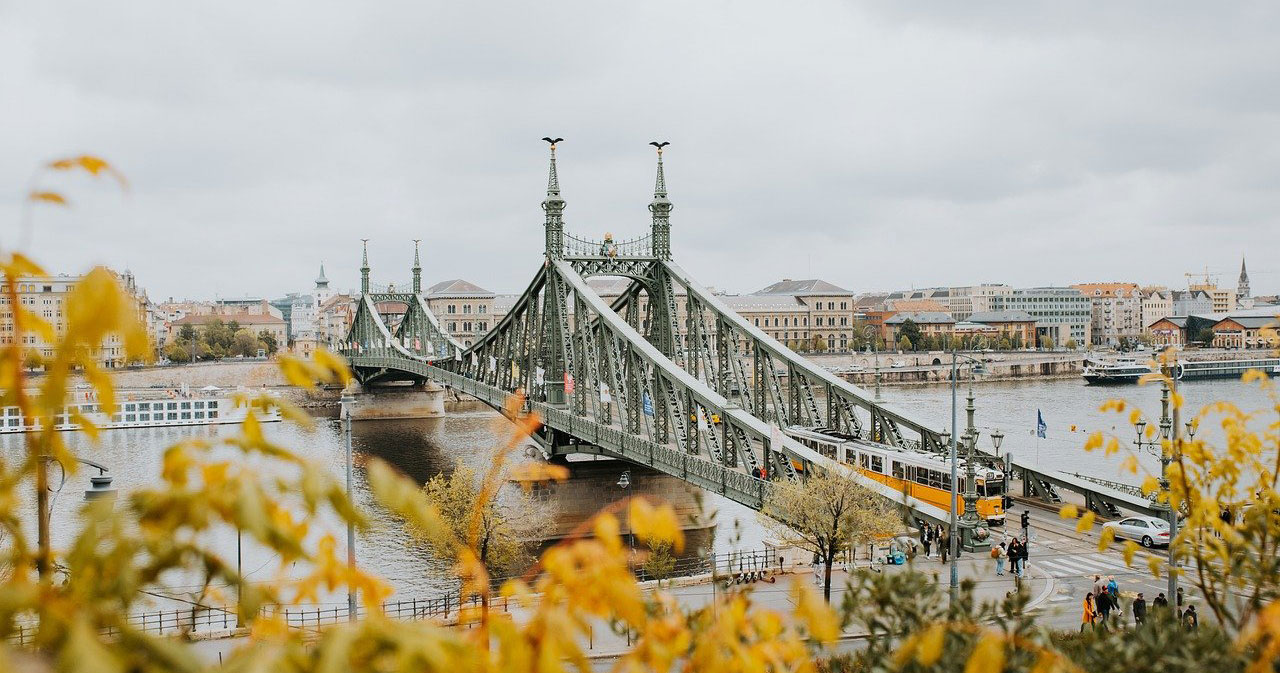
(173, 415)
(144, 417)
(213, 413)
(199, 414)
(130, 418)
(186, 415)
(864, 460)
(877, 464)
(897, 470)
(130, 407)
(13, 422)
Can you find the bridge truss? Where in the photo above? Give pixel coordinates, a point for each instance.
(665, 375)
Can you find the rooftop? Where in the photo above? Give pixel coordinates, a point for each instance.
(812, 286)
(1001, 316)
(921, 318)
(456, 288)
(239, 318)
(756, 302)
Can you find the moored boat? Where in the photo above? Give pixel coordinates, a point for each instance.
(1121, 370)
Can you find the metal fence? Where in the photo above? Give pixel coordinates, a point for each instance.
(757, 562)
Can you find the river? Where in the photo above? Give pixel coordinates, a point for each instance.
(422, 448)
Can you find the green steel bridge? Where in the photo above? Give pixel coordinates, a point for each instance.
(705, 403)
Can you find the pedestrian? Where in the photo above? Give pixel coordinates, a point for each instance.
(1139, 610)
(1179, 602)
(1160, 606)
(1090, 612)
(944, 543)
(1022, 558)
(926, 538)
(1104, 603)
(1098, 584)
(817, 576)
(1190, 621)
(1113, 592)
(998, 553)
(1015, 556)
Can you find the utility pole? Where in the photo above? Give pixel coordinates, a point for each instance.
(347, 402)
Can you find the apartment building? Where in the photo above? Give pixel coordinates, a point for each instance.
(1115, 312)
(46, 296)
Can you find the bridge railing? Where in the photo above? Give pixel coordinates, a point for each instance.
(583, 247)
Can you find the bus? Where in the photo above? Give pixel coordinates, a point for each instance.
(921, 475)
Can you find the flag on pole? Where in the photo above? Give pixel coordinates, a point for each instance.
(457, 355)
(493, 363)
(605, 397)
(1040, 425)
(646, 403)
(417, 344)
(702, 419)
(568, 383)
(475, 361)
(538, 376)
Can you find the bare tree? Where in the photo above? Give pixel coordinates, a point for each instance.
(826, 514)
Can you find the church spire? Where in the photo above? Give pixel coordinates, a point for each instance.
(661, 208)
(321, 280)
(553, 206)
(1242, 286)
(417, 268)
(364, 267)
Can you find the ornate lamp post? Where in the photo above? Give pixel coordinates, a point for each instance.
(1155, 447)
(974, 535)
(997, 438)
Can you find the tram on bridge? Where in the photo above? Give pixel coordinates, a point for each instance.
(921, 475)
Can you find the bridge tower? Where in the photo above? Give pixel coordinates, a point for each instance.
(364, 267)
(417, 268)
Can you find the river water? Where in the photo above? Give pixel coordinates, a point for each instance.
(422, 448)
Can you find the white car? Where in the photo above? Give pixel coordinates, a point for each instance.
(897, 364)
(1147, 530)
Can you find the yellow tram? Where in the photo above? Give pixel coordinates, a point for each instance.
(921, 475)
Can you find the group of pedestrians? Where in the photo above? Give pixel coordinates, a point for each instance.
(1100, 603)
(935, 536)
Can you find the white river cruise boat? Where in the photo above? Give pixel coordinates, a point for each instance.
(1122, 370)
(152, 413)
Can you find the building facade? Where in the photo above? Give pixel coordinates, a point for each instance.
(1157, 303)
(1115, 312)
(464, 309)
(1062, 314)
(46, 296)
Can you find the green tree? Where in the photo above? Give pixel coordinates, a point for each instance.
(269, 342)
(176, 352)
(904, 344)
(911, 331)
(505, 535)
(244, 343)
(661, 561)
(827, 514)
(1046, 342)
(1004, 344)
(819, 343)
(187, 333)
(1072, 344)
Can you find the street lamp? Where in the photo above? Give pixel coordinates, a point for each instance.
(974, 367)
(1155, 446)
(871, 333)
(347, 401)
(624, 482)
(997, 438)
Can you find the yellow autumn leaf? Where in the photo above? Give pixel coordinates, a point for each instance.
(988, 655)
(1095, 440)
(297, 373)
(1130, 464)
(334, 364)
(813, 611)
(1135, 416)
(929, 649)
(1130, 549)
(47, 197)
(1068, 511)
(1150, 485)
(1106, 538)
(1153, 564)
(1085, 522)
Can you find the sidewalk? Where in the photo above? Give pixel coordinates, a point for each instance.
(603, 644)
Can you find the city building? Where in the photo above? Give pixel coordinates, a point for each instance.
(46, 297)
(464, 309)
(1115, 312)
(1242, 285)
(1246, 331)
(1062, 314)
(1019, 327)
(1191, 302)
(256, 323)
(931, 324)
(812, 311)
(1157, 303)
(334, 318)
(1224, 299)
(1168, 331)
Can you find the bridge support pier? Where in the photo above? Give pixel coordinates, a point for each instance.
(396, 401)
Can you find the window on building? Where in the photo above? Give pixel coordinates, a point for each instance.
(451, 309)
(466, 327)
(482, 309)
(844, 306)
(466, 308)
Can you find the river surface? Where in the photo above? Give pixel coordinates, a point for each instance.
(422, 448)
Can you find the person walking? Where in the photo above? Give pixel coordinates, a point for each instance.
(1160, 606)
(926, 539)
(998, 553)
(1098, 584)
(1090, 612)
(1015, 556)
(1190, 621)
(944, 543)
(1104, 603)
(1113, 592)
(1139, 610)
(1179, 602)
(1022, 559)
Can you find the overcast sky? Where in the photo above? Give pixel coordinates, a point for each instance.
(876, 145)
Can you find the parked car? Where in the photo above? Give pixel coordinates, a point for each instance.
(1147, 530)
(898, 363)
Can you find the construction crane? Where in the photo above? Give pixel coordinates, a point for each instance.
(1209, 279)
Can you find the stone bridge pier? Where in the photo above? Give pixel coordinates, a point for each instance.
(398, 400)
